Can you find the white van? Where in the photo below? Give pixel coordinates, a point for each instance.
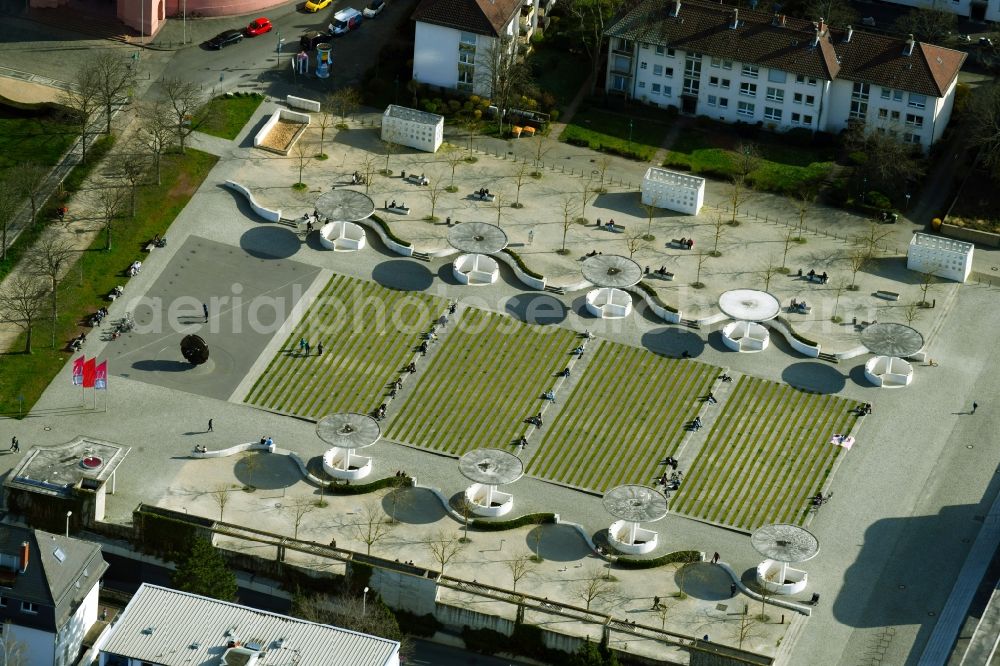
(344, 21)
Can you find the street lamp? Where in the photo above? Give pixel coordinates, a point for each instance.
(907, 195)
(68, 514)
(630, 134)
(864, 188)
(364, 602)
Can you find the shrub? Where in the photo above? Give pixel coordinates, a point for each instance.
(513, 523)
(485, 641)
(418, 625)
(670, 558)
(388, 232)
(348, 488)
(524, 268)
(878, 200)
(857, 158)
(655, 297)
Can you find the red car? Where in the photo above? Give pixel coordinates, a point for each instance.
(259, 27)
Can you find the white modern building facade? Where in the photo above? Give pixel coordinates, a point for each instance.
(681, 192)
(454, 41)
(944, 257)
(409, 127)
(781, 73)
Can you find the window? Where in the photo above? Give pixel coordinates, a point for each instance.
(897, 95)
(711, 100)
(660, 50)
(883, 113)
(656, 88)
(470, 38)
(810, 100)
(809, 80)
(797, 98)
(691, 86)
(799, 78)
(713, 81)
(750, 71)
(465, 75)
(720, 62)
(467, 57)
(771, 113)
(917, 101)
(723, 103)
(28, 607)
(620, 45)
(725, 83)
(658, 70)
(776, 94)
(858, 110)
(807, 120)
(886, 93)
(860, 91)
(666, 91)
(618, 83)
(642, 65)
(642, 84)
(748, 89)
(776, 76)
(745, 109)
(796, 117)
(894, 115)
(913, 120)
(911, 138)
(668, 71)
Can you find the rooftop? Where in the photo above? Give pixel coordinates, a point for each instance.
(173, 628)
(405, 113)
(57, 470)
(483, 17)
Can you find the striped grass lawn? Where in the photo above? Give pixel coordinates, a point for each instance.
(626, 413)
(368, 333)
(767, 452)
(482, 383)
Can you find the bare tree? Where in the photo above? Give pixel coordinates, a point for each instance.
(870, 239)
(132, 169)
(739, 194)
(838, 289)
(499, 70)
(804, 200)
(111, 202)
(184, 99)
(389, 145)
(324, 120)
(719, 225)
(220, 495)
(789, 239)
(23, 302)
(114, 77)
(398, 497)
(650, 209)
(434, 190)
(444, 547)
(155, 132)
(49, 258)
(590, 20)
(29, 178)
(586, 195)
(602, 168)
(519, 567)
(540, 151)
(498, 199)
(251, 461)
(372, 526)
(747, 626)
(9, 201)
(454, 158)
(355, 613)
(521, 174)
(569, 213)
(594, 588)
(911, 312)
(344, 102)
(768, 271)
(297, 510)
(927, 278)
(82, 100)
(663, 610)
(368, 171)
(15, 652)
(536, 534)
(747, 158)
(635, 240)
(857, 258)
(698, 284)
(302, 159)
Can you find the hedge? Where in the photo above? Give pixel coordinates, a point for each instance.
(417, 625)
(656, 298)
(521, 521)
(804, 340)
(163, 536)
(347, 488)
(678, 556)
(388, 232)
(524, 268)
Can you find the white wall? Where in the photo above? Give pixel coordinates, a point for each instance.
(674, 191)
(944, 257)
(37, 647)
(435, 55)
(422, 136)
(71, 635)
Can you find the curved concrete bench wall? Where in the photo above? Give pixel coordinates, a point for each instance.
(443, 252)
(475, 269)
(645, 541)
(745, 336)
(609, 303)
(795, 581)
(785, 329)
(476, 495)
(888, 372)
(257, 446)
(533, 282)
(338, 463)
(342, 236)
(658, 310)
(266, 213)
(402, 250)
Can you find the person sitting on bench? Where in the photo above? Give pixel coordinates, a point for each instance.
(811, 274)
(662, 270)
(690, 243)
(393, 204)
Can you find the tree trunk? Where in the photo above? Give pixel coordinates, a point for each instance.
(107, 236)
(27, 339)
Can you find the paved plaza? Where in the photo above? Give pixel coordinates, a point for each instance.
(892, 539)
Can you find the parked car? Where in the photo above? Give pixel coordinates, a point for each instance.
(374, 9)
(345, 20)
(259, 27)
(868, 21)
(225, 38)
(316, 5)
(309, 40)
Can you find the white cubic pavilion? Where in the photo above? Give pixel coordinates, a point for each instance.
(416, 129)
(672, 190)
(943, 257)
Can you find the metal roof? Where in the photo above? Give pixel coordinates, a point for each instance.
(172, 628)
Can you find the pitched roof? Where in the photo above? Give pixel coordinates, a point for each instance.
(483, 17)
(790, 44)
(175, 628)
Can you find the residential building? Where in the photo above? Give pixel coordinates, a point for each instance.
(48, 594)
(780, 72)
(455, 41)
(165, 627)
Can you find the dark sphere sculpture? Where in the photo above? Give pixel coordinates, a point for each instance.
(194, 349)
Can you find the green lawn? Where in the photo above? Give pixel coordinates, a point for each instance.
(784, 168)
(766, 453)
(599, 441)
(97, 271)
(557, 74)
(38, 136)
(369, 334)
(226, 116)
(487, 377)
(609, 132)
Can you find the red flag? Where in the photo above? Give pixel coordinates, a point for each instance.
(78, 371)
(101, 377)
(89, 372)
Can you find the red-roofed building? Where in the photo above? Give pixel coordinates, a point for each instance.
(740, 65)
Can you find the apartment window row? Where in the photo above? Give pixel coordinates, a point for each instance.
(860, 91)
(657, 89)
(748, 89)
(808, 100)
(894, 95)
(807, 80)
(716, 82)
(722, 63)
(721, 102)
(886, 114)
(660, 70)
(772, 113)
(859, 110)
(802, 119)
(750, 71)
(775, 94)
(663, 50)
(745, 109)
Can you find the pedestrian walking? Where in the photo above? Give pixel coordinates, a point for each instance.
(656, 603)
(210, 423)
(715, 558)
(531, 236)
(204, 308)
(319, 349)
(732, 589)
(975, 406)
(15, 446)
(302, 344)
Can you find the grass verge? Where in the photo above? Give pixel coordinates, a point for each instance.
(616, 134)
(96, 272)
(225, 116)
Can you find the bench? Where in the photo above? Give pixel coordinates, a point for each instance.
(662, 276)
(417, 180)
(483, 197)
(614, 228)
(399, 210)
(887, 295)
(150, 246)
(676, 243)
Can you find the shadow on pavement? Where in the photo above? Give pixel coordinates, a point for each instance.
(537, 309)
(243, 205)
(673, 341)
(414, 506)
(266, 472)
(153, 365)
(270, 242)
(704, 581)
(814, 376)
(403, 275)
(559, 543)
